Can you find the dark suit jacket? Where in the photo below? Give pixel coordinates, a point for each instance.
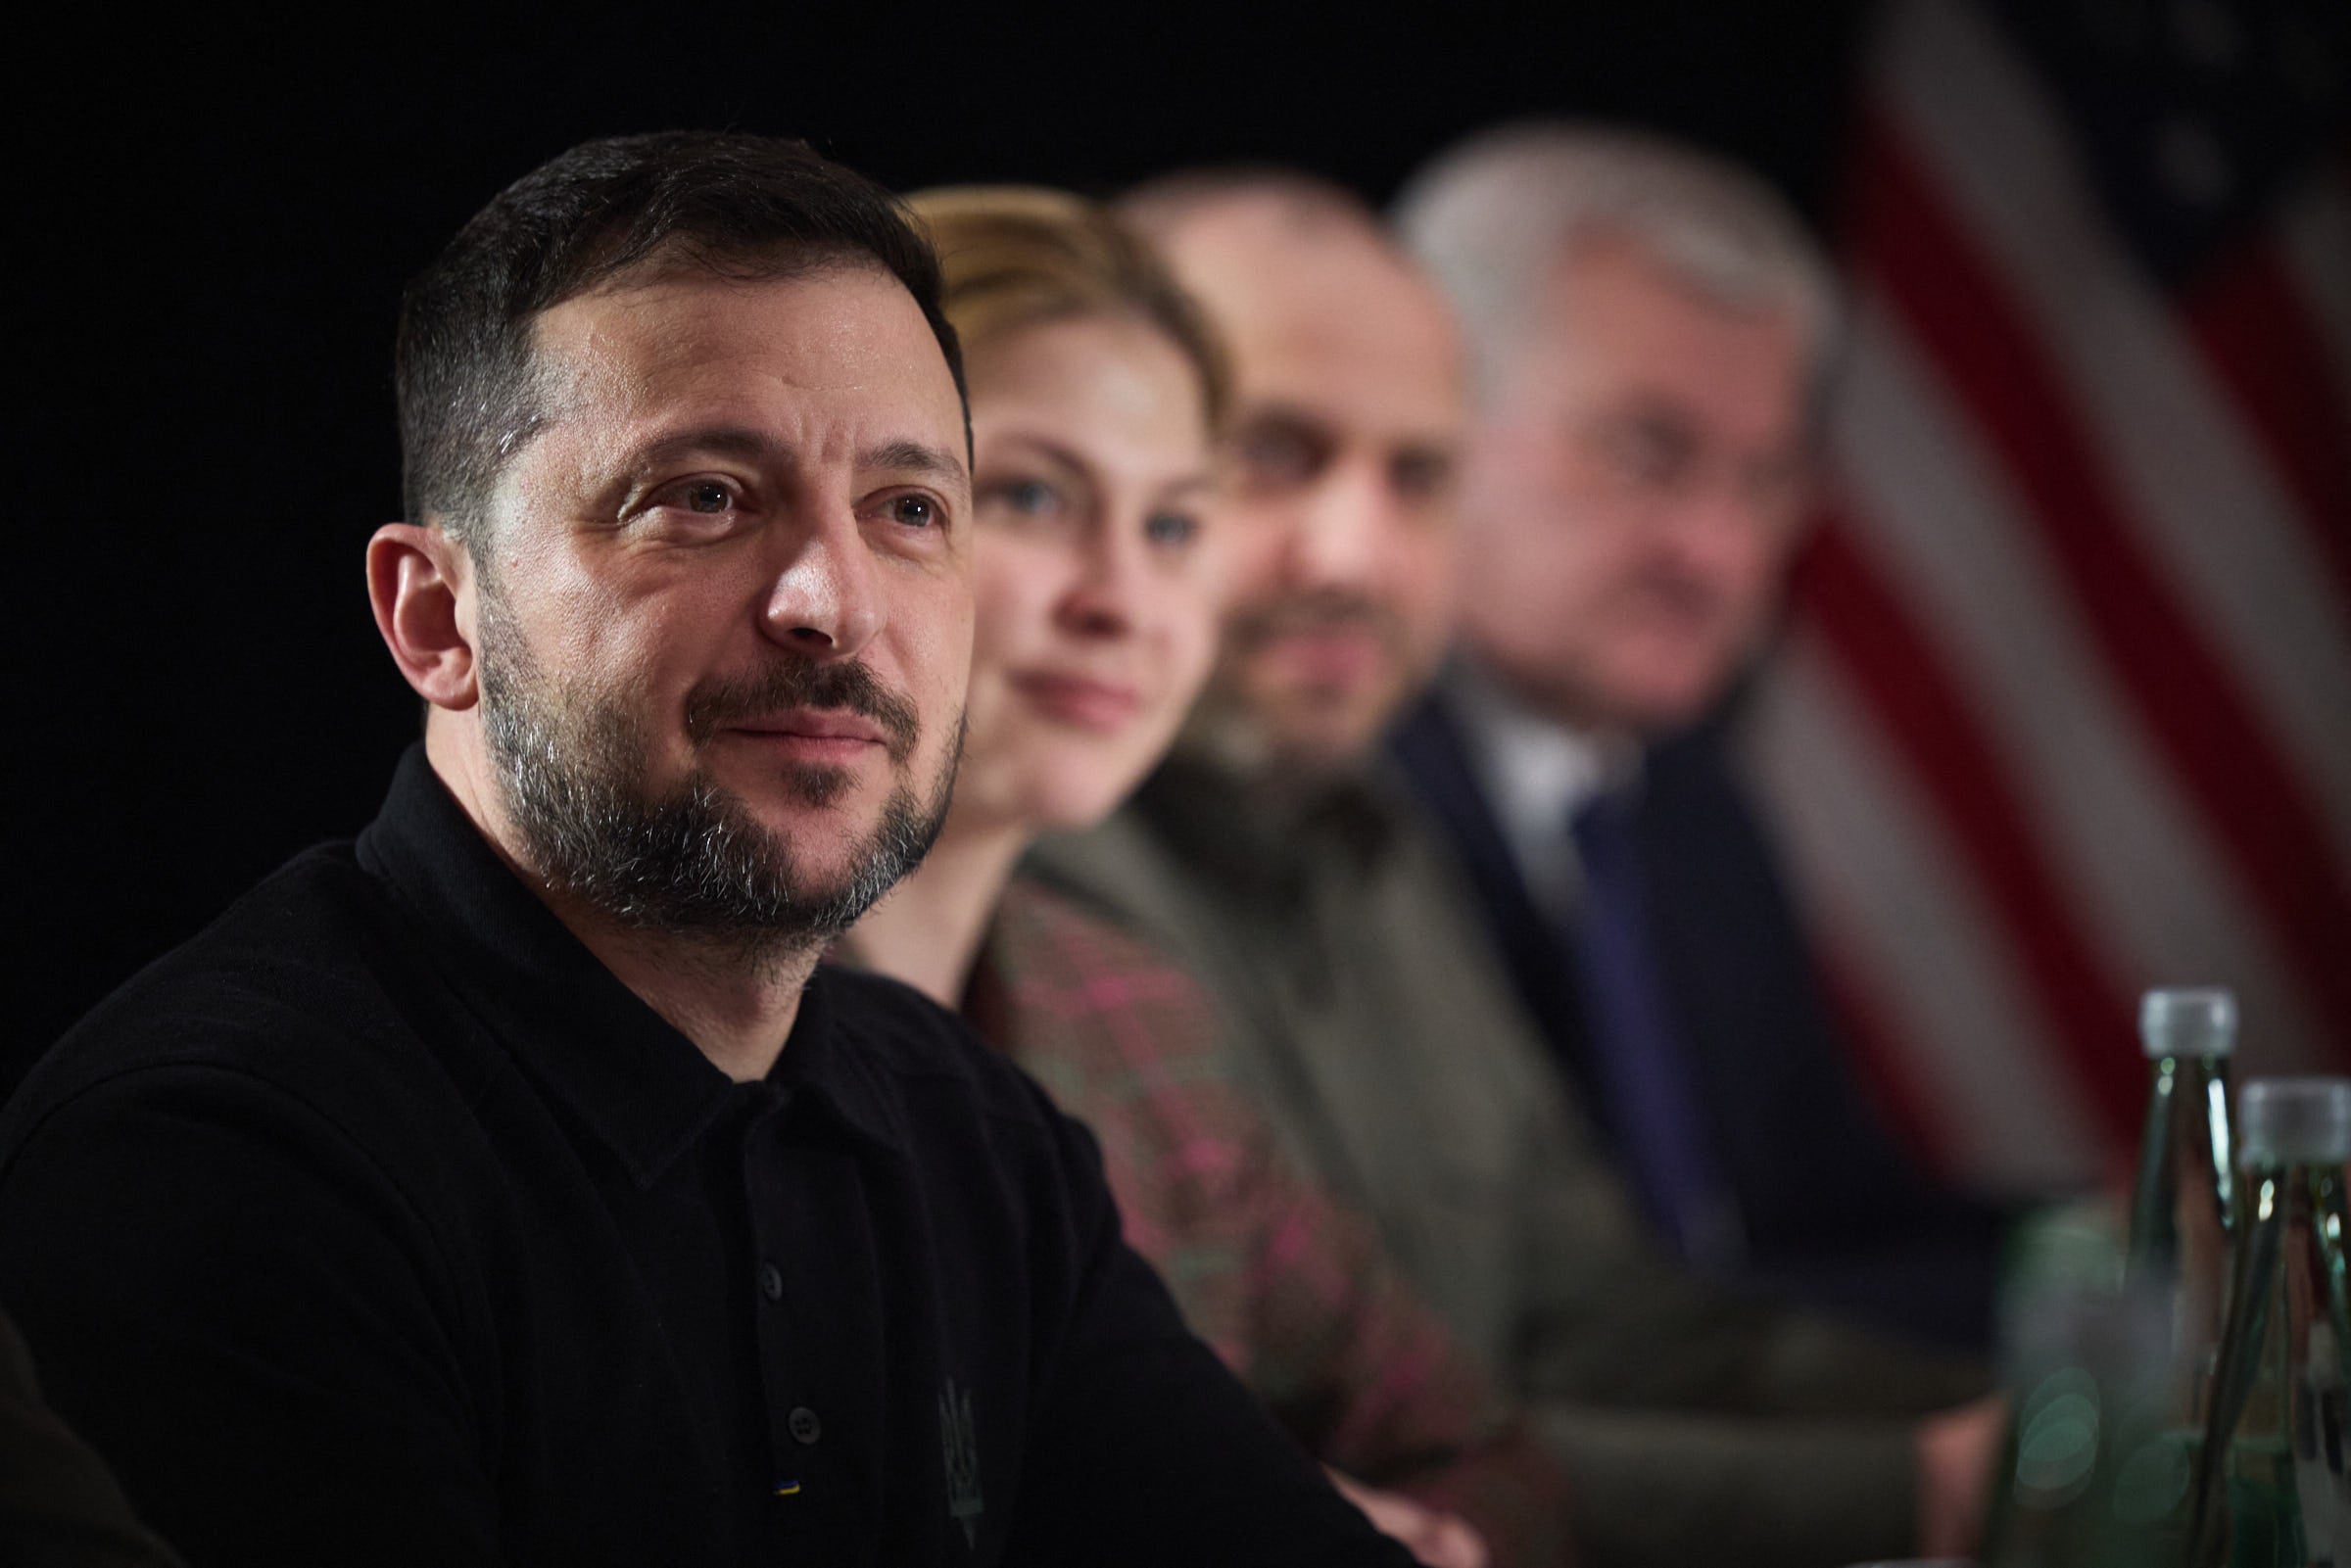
(1832, 1209)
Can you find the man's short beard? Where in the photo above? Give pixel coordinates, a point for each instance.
(692, 861)
(1229, 727)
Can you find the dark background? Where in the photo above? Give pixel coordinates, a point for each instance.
(212, 220)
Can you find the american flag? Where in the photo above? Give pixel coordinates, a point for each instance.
(2064, 709)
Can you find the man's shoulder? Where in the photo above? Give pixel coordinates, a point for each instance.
(925, 1061)
(1195, 844)
(278, 989)
(1127, 873)
(1127, 845)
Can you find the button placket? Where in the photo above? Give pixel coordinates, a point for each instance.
(803, 1487)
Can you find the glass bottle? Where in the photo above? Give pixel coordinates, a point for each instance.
(2183, 1203)
(2090, 1468)
(2180, 1207)
(2271, 1486)
(2109, 1351)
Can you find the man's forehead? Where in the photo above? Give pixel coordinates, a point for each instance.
(1261, 266)
(839, 328)
(1620, 320)
(1323, 315)
(1608, 279)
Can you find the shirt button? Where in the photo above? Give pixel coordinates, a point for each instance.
(771, 1282)
(804, 1424)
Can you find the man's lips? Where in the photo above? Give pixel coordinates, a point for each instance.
(1341, 656)
(832, 732)
(1082, 701)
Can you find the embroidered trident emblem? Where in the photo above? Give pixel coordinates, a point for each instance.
(959, 1441)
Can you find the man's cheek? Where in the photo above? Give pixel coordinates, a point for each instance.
(1252, 560)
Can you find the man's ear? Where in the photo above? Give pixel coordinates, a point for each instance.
(417, 575)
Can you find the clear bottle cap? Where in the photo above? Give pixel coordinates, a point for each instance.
(2187, 1020)
(2295, 1121)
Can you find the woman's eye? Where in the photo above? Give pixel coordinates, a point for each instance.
(1170, 529)
(1029, 498)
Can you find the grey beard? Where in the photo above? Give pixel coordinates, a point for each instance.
(691, 862)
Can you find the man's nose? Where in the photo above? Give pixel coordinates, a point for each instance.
(825, 599)
(1342, 535)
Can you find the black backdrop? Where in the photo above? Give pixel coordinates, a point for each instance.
(212, 219)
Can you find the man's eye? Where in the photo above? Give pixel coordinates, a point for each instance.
(1420, 475)
(1171, 530)
(915, 511)
(1277, 455)
(709, 495)
(1648, 452)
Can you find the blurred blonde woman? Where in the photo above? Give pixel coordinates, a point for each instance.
(1095, 393)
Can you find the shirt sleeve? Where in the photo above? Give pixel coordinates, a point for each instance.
(1745, 1425)
(1598, 1283)
(230, 1301)
(1145, 1449)
(1664, 1486)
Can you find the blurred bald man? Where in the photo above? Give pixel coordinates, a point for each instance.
(1279, 857)
(1648, 329)
(1345, 448)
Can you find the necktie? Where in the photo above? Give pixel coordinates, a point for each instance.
(1645, 1071)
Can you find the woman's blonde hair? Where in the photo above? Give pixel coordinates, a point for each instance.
(1016, 257)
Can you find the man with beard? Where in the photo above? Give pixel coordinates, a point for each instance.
(505, 1187)
(1276, 855)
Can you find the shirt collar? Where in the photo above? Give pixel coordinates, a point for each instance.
(1536, 771)
(826, 1063)
(1250, 844)
(643, 1088)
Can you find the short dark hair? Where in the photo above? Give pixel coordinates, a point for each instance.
(744, 207)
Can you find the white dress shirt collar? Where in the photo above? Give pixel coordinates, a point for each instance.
(1535, 773)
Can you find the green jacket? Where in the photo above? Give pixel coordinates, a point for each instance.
(1698, 1423)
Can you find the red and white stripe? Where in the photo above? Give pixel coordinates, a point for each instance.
(2066, 708)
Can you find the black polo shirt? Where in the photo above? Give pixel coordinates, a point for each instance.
(381, 1224)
